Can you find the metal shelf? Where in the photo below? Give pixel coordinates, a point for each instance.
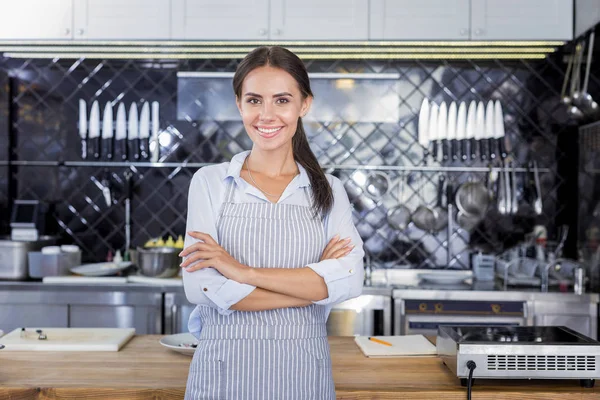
(121, 164)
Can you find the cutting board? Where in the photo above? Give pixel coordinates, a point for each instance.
(402, 346)
(88, 280)
(68, 339)
(155, 281)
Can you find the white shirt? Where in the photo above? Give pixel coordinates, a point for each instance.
(343, 276)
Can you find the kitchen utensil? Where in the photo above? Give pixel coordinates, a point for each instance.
(461, 131)
(82, 124)
(537, 205)
(184, 343)
(451, 131)
(440, 212)
(441, 130)
(126, 253)
(14, 262)
(432, 131)
(158, 262)
(145, 131)
(377, 184)
(423, 128)
(133, 132)
(94, 135)
(107, 132)
(155, 145)
(101, 269)
(488, 137)
(480, 131)
(507, 188)
(105, 188)
(67, 339)
(399, 216)
(472, 198)
(574, 111)
(470, 130)
(121, 132)
(499, 133)
(565, 97)
(423, 217)
(514, 199)
(518, 352)
(42, 265)
(585, 101)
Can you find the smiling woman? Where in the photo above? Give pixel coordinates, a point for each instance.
(271, 247)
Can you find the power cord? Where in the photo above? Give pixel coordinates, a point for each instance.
(471, 365)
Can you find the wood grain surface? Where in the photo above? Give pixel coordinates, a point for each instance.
(144, 369)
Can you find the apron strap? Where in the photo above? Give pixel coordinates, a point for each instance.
(228, 197)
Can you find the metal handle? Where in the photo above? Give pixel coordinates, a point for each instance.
(464, 32)
(262, 32)
(479, 32)
(174, 310)
(278, 32)
(67, 31)
(80, 31)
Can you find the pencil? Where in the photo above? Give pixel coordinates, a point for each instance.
(379, 341)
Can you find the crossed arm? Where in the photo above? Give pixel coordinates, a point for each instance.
(275, 287)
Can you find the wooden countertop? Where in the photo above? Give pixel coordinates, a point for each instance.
(144, 369)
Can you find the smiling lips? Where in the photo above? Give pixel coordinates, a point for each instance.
(268, 132)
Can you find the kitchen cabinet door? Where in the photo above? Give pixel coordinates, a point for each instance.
(145, 319)
(122, 19)
(220, 19)
(419, 20)
(319, 20)
(13, 316)
(521, 19)
(34, 19)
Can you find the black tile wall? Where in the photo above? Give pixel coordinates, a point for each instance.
(44, 99)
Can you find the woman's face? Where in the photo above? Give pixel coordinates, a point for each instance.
(270, 105)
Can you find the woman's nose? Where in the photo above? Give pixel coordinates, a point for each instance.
(267, 112)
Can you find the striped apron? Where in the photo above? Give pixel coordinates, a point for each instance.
(280, 354)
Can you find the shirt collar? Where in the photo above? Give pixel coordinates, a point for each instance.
(235, 167)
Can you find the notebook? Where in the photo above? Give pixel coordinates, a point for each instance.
(402, 346)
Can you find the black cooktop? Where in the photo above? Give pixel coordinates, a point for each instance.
(517, 334)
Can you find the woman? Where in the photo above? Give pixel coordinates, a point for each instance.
(271, 246)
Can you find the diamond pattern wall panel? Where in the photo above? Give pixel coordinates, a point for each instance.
(44, 123)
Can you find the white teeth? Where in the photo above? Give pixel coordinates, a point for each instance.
(262, 130)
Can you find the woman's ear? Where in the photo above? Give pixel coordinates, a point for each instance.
(306, 103)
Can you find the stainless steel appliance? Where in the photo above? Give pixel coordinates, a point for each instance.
(522, 352)
(13, 256)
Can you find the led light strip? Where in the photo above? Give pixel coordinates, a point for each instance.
(336, 56)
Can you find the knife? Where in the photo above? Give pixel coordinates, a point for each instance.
(480, 131)
(145, 131)
(432, 131)
(133, 133)
(121, 131)
(155, 147)
(95, 129)
(83, 127)
(471, 121)
(461, 130)
(107, 131)
(489, 129)
(451, 131)
(442, 128)
(423, 128)
(499, 129)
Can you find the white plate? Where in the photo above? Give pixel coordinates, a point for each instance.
(443, 278)
(181, 343)
(100, 269)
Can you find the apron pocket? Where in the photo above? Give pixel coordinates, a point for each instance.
(206, 380)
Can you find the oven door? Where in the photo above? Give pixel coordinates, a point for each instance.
(428, 324)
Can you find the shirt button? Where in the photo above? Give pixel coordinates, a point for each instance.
(205, 289)
(351, 271)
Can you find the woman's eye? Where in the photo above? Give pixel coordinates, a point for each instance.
(253, 101)
(282, 101)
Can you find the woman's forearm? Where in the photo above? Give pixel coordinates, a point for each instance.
(301, 283)
(261, 299)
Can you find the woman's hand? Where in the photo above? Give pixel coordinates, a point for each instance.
(336, 248)
(210, 254)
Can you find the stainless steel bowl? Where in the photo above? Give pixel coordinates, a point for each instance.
(158, 262)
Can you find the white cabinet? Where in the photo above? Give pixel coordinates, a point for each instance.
(33, 19)
(220, 19)
(521, 19)
(122, 19)
(587, 15)
(319, 20)
(419, 20)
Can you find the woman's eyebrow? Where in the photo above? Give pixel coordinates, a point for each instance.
(275, 95)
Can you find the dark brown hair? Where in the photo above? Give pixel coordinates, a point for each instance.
(279, 57)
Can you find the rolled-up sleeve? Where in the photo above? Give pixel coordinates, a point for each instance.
(208, 286)
(344, 276)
